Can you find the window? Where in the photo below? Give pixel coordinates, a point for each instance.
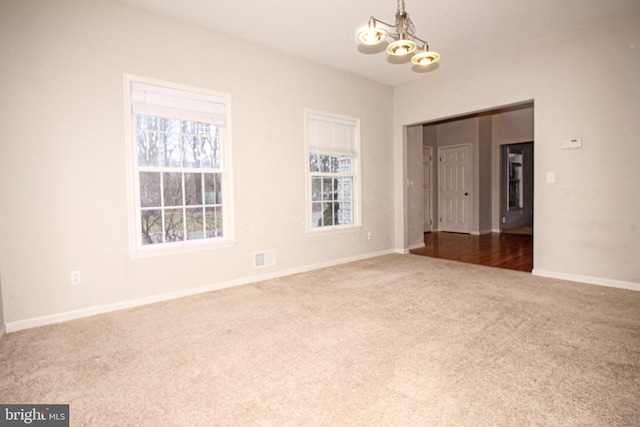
(332, 162)
(179, 148)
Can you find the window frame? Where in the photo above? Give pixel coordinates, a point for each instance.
(136, 247)
(356, 171)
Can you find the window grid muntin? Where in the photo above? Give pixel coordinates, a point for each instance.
(205, 206)
(339, 195)
(168, 211)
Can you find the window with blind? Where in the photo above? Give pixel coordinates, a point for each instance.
(332, 163)
(179, 149)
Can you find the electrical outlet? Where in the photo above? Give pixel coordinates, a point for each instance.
(75, 278)
(369, 235)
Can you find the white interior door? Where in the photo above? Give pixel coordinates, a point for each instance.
(454, 172)
(427, 162)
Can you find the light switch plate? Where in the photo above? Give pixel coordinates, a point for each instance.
(572, 143)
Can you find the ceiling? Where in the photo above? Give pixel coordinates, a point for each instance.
(324, 31)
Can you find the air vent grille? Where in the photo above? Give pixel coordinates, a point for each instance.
(264, 259)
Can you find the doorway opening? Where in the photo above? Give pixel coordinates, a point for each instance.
(499, 194)
(516, 188)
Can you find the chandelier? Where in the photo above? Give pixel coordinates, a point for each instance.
(404, 36)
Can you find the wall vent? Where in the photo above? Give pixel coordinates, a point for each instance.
(264, 259)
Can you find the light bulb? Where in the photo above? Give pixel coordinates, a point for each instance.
(401, 47)
(372, 35)
(425, 58)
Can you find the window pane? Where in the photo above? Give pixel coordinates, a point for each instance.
(192, 150)
(173, 225)
(209, 189)
(316, 214)
(169, 137)
(218, 180)
(214, 222)
(328, 214)
(192, 189)
(172, 189)
(210, 146)
(327, 189)
(195, 225)
(345, 213)
(325, 163)
(343, 165)
(150, 193)
(313, 162)
(213, 188)
(148, 146)
(151, 226)
(316, 188)
(344, 189)
(334, 164)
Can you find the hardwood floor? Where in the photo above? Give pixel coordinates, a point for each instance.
(502, 250)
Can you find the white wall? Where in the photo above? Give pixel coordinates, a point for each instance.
(584, 83)
(62, 156)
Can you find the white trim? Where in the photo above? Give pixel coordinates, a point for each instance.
(325, 231)
(136, 248)
(481, 232)
(356, 174)
(611, 283)
(417, 246)
(181, 248)
(107, 308)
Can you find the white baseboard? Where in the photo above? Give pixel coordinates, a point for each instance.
(416, 246)
(587, 279)
(480, 232)
(92, 311)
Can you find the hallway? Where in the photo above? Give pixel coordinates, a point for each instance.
(502, 250)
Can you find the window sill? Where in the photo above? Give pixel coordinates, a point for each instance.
(180, 248)
(323, 231)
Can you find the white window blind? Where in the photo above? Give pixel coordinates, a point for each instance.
(331, 136)
(151, 100)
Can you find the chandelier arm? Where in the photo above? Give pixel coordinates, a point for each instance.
(376, 20)
(420, 40)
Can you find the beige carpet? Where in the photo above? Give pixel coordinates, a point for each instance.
(395, 340)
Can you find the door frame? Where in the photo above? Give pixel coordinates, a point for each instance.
(427, 162)
(528, 186)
